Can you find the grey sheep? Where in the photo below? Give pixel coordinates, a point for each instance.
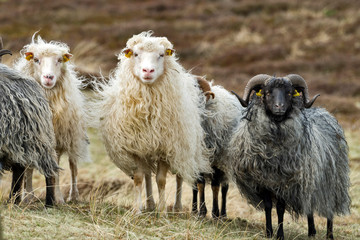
(284, 150)
(26, 132)
(223, 112)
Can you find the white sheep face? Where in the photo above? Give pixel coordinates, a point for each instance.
(149, 65)
(47, 68)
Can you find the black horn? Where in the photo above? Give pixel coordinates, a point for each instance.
(298, 81)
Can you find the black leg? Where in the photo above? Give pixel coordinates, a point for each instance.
(201, 189)
(215, 186)
(16, 184)
(268, 206)
(311, 225)
(224, 190)
(194, 209)
(280, 209)
(329, 231)
(50, 191)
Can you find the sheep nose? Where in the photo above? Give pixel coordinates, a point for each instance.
(50, 77)
(279, 105)
(147, 70)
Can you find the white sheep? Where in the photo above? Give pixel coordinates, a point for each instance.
(47, 63)
(150, 118)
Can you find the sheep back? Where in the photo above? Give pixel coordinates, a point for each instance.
(27, 135)
(222, 115)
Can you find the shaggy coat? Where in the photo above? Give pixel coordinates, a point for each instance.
(67, 106)
(302, 159)
(157, 122)
(26, 131)
(65, 99)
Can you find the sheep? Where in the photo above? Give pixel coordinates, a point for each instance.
(282, 149)
(48, 63)
(27, 135)
(223, 114)
(150, 118)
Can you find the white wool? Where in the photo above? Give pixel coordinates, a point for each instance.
(161, 121)
(65, 98)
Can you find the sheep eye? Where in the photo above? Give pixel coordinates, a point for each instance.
(59, 60)
(135, 54)
(161, 55)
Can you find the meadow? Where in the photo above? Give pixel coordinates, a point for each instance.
(228, 41)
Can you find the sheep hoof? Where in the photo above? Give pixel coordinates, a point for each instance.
(150, 205)
(28, 198)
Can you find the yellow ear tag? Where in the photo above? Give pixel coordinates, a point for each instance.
(128, 54)
(29, 56)
(65, 58)
(296, 94)
(259, 94)
(169, 52)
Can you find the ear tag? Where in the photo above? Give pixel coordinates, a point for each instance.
(296, 94)
(259, 94)
(65, 58)
(29, 56)
(169, 52)
(128, 53)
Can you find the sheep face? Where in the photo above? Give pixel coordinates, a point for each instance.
(47, 68)
(277, 98)
(148, 65)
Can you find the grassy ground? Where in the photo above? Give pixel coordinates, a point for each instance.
(105, 212)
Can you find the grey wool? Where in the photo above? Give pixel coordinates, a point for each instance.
(302, 159)
(26, 131)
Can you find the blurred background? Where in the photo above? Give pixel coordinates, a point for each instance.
(229, 41)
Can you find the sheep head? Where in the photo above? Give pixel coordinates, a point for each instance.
(277, 93)
(47, 60)
(148, 55)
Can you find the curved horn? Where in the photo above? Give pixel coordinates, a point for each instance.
(299, 81)
(254, 81)
(243, 103)
(5, 51)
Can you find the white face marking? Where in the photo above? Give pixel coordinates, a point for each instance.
(149, 66)
(48, 69)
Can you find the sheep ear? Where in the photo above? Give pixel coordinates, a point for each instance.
(296, 93)
(169, 52)
(128, 52)
(29, 56)
(66, 57)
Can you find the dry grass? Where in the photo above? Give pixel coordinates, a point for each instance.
(105, 212)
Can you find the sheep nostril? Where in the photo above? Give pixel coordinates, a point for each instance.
(50, 77)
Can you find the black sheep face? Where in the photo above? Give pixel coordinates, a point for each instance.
(278, 95)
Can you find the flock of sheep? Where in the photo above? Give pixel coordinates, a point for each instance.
(156, 117)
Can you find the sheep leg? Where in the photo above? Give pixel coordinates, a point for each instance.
(28, 193)
(280, 209)
(268, 206)
(58, 195)
(194, 209)
(16, 184)
(311, 225)
(150, 203)
(201, 189)
(161, 182)
(224, 190)
(178, 204)
(215, 186)
(138, 180)
(329, 229)
(74, 191)
(50, 191)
